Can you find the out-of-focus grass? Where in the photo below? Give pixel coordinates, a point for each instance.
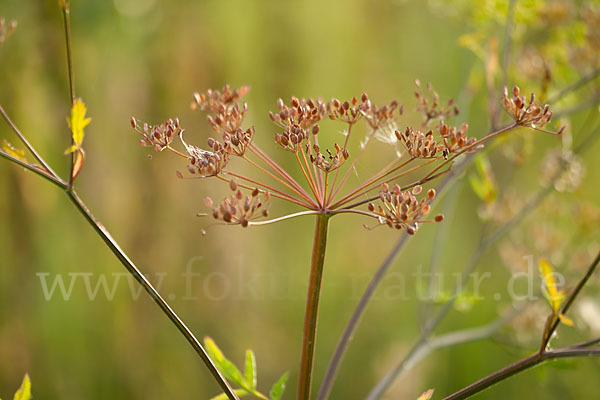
(145, 58)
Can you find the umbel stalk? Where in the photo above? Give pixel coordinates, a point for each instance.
(312, 306)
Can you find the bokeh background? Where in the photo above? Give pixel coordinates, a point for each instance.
(146, 58)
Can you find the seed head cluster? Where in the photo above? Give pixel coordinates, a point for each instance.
(429, 105)
(401, 209)
(238, 209)
(431, 152)
(527, 114)
(158, 136)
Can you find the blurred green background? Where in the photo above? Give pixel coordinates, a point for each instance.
(146, 58)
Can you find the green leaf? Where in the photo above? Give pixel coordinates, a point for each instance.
(24, 392)
(279, 387)
(225, 366)
(250, 369)
(223, 396)
(231, 372)
(213, 350)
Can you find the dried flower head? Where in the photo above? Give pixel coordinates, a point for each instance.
(331, 161)
(350, 111)
(401, 209)
(158, 136)
(238, 209)
(207, 163)
(527, 114)
(429, 105)
(301, 113)
(381, 117)
(419, 144)
(322, 189)
(455, 139)
(6, 28)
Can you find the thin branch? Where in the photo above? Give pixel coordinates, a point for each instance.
(31, 149)
(589, 343)
(55, 180)
(463, 336)
(484, 244)
(520, 366)
(283, 182)
(569, 301)
(283, 218)
(571, 88)
(164, 306)
(66, 11)
(508, 30)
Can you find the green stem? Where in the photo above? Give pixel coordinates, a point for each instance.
(312, 306)
(137, 274)
(66, 12)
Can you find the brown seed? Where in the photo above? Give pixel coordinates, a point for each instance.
(431, 194)
(439, 218)
(227, 216)
(232, 185)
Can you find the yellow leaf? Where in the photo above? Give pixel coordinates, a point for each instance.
(24, 392)
(427, 395)
(565, 320)
(12, 151)
(555, 297)
(77, 122)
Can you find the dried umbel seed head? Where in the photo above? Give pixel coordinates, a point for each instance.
(294, 138)
(207, 163)
(226, 116)
(216, 101)
(419, 144)
(349, 111)
(430, 105)
(303, 113)
(381, 117)
(239, 209)
(238, 141)
(6, 28)
(158, 136)
(456, 140)
(526, 112)
(229, 119)
(330, 161)
(401, 209)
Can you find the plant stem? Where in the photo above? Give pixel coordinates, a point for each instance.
(137, 274)
(32, 150)
(346, 338)
(520, 366)
(66, 11)
(57, 181)
(567, 304)
(312, 306)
